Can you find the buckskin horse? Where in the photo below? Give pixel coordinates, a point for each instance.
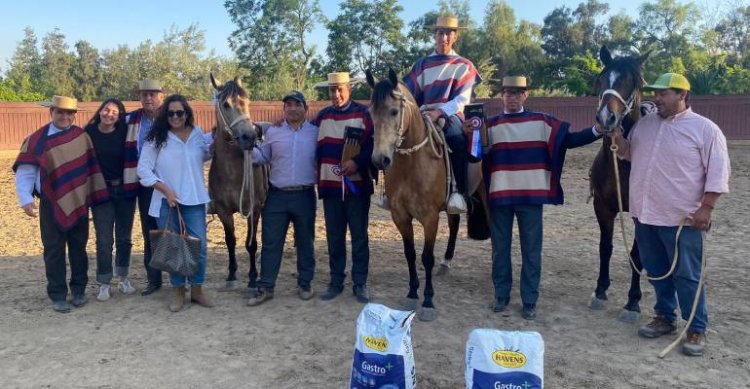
(234, 183)
(619, 86)
(415, 179)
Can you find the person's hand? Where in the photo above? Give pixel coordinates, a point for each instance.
(348, 168)
(168, 193)
(701, 219)
(467, 127)
(434, 114)
(29, 209)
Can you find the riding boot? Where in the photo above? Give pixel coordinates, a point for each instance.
(197, 296)
(178, 299)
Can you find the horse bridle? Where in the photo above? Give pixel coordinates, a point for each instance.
(229, 127)
(402, 129)
(627, 103)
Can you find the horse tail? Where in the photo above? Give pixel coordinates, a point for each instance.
(478, 217)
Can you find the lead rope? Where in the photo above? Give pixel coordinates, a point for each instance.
(613, 147)
(248, 179)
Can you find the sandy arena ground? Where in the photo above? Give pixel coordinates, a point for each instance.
(135, 342)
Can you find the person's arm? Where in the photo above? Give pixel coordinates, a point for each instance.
(623, 146)
(716, 164)
(262, 154)
(208, 141)
(581, 138)
(25, 180)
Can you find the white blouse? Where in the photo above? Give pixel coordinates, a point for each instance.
(179, 165)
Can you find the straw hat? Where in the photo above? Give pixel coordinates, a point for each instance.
(62, 102)
(669, 81)
(149, 85)
(515, 82)
(448, 23)
(338, 78)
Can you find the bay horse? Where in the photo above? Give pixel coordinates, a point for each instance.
(415, 179)
(619, 87)
(231, 186)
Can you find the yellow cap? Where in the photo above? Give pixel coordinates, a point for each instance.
(669, 81)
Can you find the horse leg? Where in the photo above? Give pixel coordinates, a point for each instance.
(406, 229)
(430, 227)
(453, 223)
(251, 245)
(228, 222)
(606, 219)
(631, 312)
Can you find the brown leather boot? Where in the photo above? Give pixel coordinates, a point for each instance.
(197, 296)
(178, 299)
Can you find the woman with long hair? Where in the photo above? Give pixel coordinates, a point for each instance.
(113, 220)
(172, 162)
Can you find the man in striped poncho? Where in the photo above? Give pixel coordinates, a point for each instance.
(442, 83)
(58, 164)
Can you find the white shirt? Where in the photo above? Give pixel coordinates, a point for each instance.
(179, 165)
(28, 177)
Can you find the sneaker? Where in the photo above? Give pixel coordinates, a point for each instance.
(260, 296)
(61, 306)
(125, 286)
(79, 300)
(659, 326)
(331, 293)
(528, 312)
(305, 293)
(694, 344)
(103, 292)
(361, 293)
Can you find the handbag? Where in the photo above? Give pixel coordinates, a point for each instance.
(172, 252)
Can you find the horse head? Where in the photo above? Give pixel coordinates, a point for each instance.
(619, 86)
(391, 109)
(233, 112)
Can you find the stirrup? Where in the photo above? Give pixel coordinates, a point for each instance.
(456, 204)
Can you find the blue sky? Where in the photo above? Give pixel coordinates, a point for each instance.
(108, 24)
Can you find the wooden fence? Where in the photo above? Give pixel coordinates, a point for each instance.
(731, 113)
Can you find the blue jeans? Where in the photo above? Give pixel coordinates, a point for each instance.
(281, 208)
(148, 223)
(656, 246)
(354, 213)
(195, 224)
(530, 231)
(115, 215)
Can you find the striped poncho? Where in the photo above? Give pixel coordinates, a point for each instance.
(332, 124)
(71, 179)
(526, 158)
(439, 79)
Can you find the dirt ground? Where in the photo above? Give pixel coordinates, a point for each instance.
(135, 342)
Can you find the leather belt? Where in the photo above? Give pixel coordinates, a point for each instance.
(296, 188)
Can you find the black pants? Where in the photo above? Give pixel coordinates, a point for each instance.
(459, 161)
(148, 223)
(55, 242)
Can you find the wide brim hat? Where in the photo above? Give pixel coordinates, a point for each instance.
(150, 85)
(515, 82)
(62, 102)
(339, 78)
(447, 22)
(669, 81)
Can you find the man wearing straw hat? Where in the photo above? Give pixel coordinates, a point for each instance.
(442, 83)
(139, 121)
(343, 153)
(679, 169)
(524, 163)
(57, 163)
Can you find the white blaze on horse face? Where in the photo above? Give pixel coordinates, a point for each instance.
(605, 117)
(613, 76)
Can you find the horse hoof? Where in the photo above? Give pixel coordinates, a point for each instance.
(230, 286)
(629, 317)
(597, 304)
(427, 314)
(442, 270)
(409, 304)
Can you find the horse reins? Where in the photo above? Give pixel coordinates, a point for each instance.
(613, 148)
(402, 129)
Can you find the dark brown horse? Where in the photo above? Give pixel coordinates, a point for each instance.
(619, 86)
(415, 179)
(234, 184)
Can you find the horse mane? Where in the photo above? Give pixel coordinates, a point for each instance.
(380, 92)
(624, 65)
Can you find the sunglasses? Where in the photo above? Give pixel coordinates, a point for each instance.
(179, 114)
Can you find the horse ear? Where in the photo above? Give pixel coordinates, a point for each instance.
(392, 77)
(213, 81)
(643, 58)
(370, 78)
(605, 55)
(238, 81)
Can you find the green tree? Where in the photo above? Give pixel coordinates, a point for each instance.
(58, 65)
(26, 65)
(733, 34)
(87, 72)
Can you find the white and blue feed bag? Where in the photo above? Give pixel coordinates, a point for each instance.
(504, 360)
(383, 356)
